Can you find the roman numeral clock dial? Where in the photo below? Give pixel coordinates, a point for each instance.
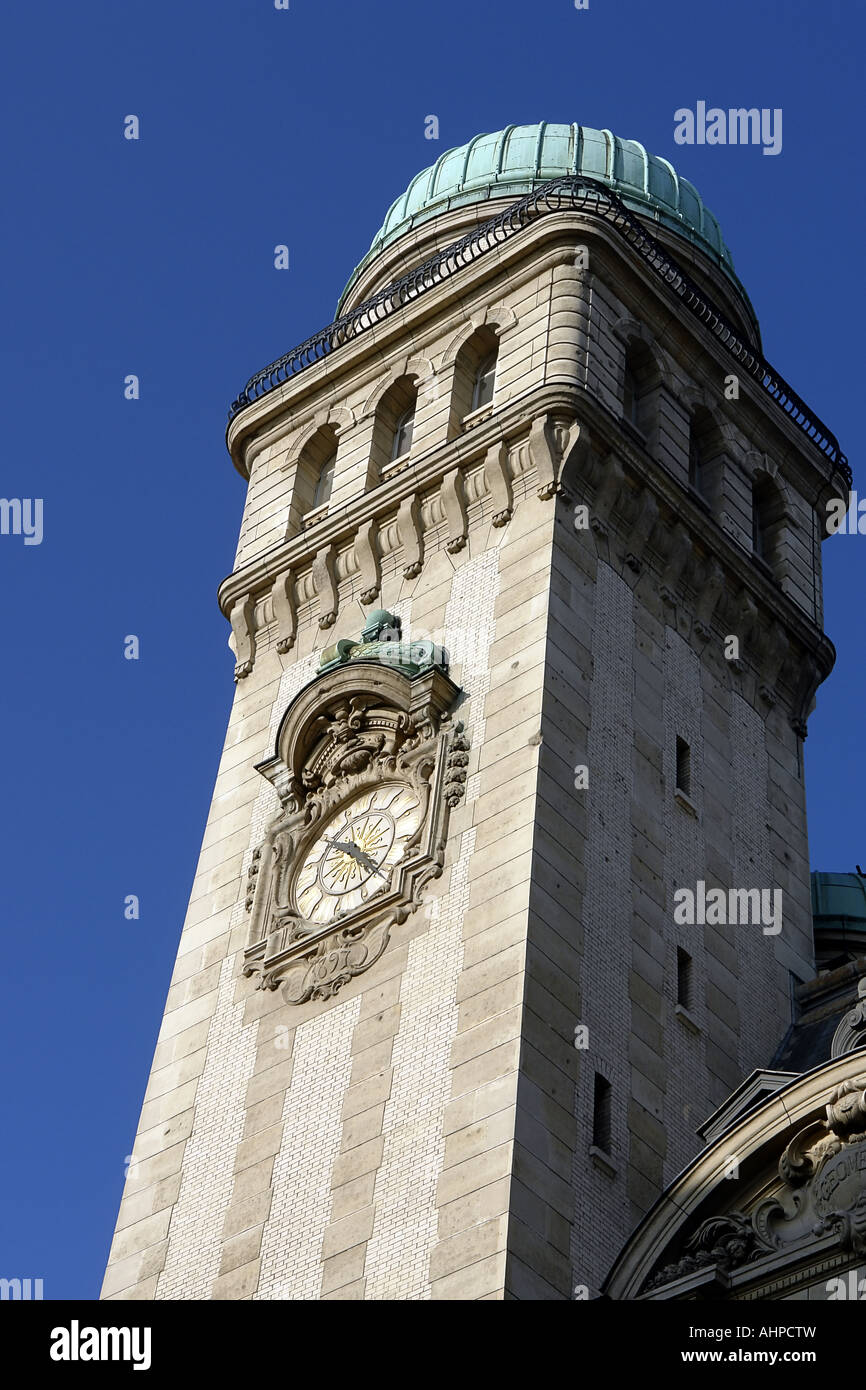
(354, 854)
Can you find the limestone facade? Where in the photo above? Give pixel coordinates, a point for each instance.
(429, 1130)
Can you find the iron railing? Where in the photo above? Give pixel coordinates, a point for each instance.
(595, 199)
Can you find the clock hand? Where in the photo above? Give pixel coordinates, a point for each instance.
(355, 852)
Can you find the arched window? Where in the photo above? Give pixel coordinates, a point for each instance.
(630, 396)
(639, 381)
(706, 450)
(393, 427)
(485, 380)
(695, 479)
(403, 430)
(474, 377)
(768, 521)
(326, 481)
(314, 477)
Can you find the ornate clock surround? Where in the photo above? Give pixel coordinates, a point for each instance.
(366, 724)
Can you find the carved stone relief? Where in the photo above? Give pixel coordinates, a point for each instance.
(374, 729)
(822, 1194)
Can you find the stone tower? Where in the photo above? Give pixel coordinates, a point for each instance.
(526, 612)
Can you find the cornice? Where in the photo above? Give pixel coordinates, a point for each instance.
(411, 249)
(574, 448)
(274, 410)
(701, 524)
(507, 424)
(602, 206)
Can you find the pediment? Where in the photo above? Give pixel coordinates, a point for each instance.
(755, 1089)
(776, 1201)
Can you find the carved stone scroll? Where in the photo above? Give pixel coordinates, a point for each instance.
(326, 586)
(455, 510)
(411, 536)
(367, 555)
(285, 612)
(498, 481)
(243, 629)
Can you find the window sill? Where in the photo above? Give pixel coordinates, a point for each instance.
(686, 802)
(761, 565)
(475, 417)
(310, 518)
(603, 1161)
(634, 431)
(396, 466)
(686, 1019)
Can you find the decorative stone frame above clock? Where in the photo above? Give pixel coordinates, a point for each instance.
(368, 765)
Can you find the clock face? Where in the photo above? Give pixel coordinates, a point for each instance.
(354, 854)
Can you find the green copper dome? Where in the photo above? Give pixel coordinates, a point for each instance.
(515, 160)
(839, 902)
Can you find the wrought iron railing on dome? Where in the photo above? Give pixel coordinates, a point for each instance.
(595, 199)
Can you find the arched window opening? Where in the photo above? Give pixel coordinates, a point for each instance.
(630, 396)
(474, 378)
(314, 478)
(602, 1109)
(485, 380)
(768, 521)
(326, 481)
(403, 430)
(639, 382)
(393, 428)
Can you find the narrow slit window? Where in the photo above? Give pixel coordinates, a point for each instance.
(684, 767)
(694, 462)
(601, 1113)
(684, 978)
(630, 396)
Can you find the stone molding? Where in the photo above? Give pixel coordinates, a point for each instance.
(537, 250)
(642, 521)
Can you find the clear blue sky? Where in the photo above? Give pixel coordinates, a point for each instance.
(156, 258)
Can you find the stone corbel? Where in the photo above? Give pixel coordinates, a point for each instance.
(709, 597)
(774, 653)
(411, 536)
(498, 481)
(606, 495)
(642, 530)
(285, 612)
(575, 458)
(455, 510)
(548, 454)
(747, 617)
(243, 631)
(804, 700)
(326, 586)
(367, 556)
(680, 553)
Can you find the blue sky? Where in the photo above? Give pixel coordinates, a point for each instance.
(155, 257)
